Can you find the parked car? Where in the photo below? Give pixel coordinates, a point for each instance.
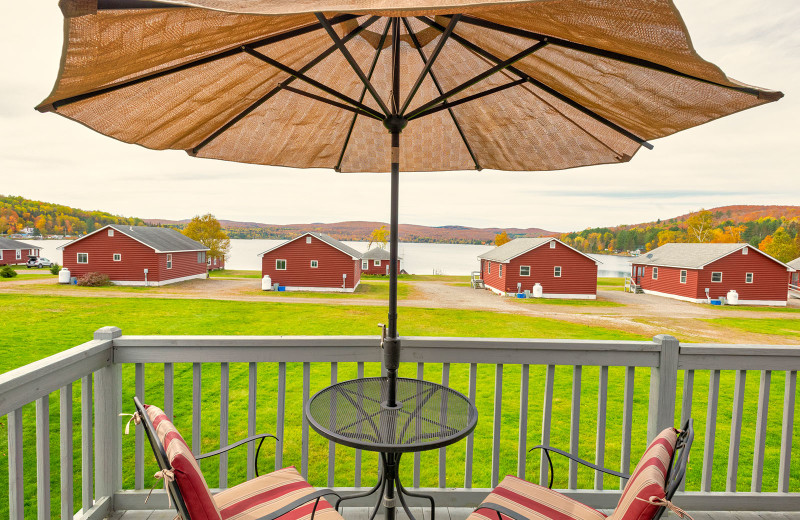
(38, 262)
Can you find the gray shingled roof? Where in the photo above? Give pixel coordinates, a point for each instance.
(513, 249)
(794, 264)
(162, 240)
(376, 253)
(7, 243)
(691, 256)
(344, 248)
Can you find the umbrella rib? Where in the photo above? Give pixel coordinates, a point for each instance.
(363, 93)
(553, 92)
(451, 104)
(436, 83)
(480, 77)
(349, 57)
(314, 83)
(641, 62)
(332, 103)
(185, 66)
(266, 97)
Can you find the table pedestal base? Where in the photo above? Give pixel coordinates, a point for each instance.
(390, 490)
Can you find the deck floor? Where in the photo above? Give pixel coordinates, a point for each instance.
(461, 513)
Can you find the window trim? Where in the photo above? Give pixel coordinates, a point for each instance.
(19, 254)
(488, 268)
(552, 244)
(169, 260)
(285, 264)
(746, 275)
(500, 271)
(684, 276)
(655, 273)
(744, 250)
(117, 257)
(557, 271)
(111, 232)
(364, 264)
(524, 267)
(712, 276)
(78, 258)
(376, 263)
(1, 254)
(314, 264)
(308, 239)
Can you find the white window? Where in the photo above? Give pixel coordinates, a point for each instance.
(716, 277)
(169, 261)
(201, 257)
(365, 264)
(488, 268)
(83, 258)
(1, 254)
(118, 257)
(280, 265)
(557, 271)
(655, 273)
(524, 270)
(744, 251)
(19, 254)
(552, 244)
(500, 271)
(683, 275)
(314, 264)
(110, 232)
(748, 278)
(376, 263)
(308, 240)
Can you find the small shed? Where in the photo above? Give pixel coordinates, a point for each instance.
(518, 265)
(794, 277)
(313, 262)
(698, 272)
(15, 252)
(376, 261)
(137, 255)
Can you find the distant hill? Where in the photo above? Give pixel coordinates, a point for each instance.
(740, 213)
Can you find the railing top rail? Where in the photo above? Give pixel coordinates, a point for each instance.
(711, 356)
(722, 349)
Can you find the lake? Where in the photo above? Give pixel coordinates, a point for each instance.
(451, 259)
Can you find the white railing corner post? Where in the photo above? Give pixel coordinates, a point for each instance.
(663, 386)
(107, 423)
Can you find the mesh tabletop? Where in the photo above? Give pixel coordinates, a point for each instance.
(428, 415)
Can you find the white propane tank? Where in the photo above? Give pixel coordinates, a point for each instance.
(733, 297)
(266, 283)
(63, 275)
(537, 290)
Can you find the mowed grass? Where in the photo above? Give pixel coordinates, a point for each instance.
(44, 325)
(368, 289)
(575, 303)
(234, 273)
(755, 308)
(419, 277)
(610, 281)
(787, 327)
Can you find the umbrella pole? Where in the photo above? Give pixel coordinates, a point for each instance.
(391, 344)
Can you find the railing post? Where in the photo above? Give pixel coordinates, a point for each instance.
(663, 386)
(107, 423)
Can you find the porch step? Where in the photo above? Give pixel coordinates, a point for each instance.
(477, 284)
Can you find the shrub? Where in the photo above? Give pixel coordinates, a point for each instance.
(55, 268)
(7, 272)
(94, 280)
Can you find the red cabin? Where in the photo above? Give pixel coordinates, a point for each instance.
(14, 252)
(137, 255)
(376, 261)
(794, 276)
(313, 262)
(215, 263)
(699, 272)
(562, 272)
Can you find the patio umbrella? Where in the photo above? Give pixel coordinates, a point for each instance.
(470, 84)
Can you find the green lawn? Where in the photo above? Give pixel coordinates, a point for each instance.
(576, 303)
(610, 281)
(789, 328)
(233, 273)
(756, 308)
(419, 277)
(369, 289)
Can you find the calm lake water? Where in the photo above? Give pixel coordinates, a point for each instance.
(452, 259)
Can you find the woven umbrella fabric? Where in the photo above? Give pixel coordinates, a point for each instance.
(176, 77)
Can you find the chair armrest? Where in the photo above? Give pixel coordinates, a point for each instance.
(501, 509)
(316, 496)
(261, 436)
(548, 449)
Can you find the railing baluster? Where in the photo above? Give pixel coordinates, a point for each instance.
(686, 406)
(43, 457)
(16, 473)
(280, 415)
(498, 419)
(627, 425)
(197, 403)
(138, 450)
(711, 430)
(357, 476)
(522, 439)
(306, 397)
(575, 425)
(443, 420)
(66, 450)
(169, 390)
(736, 431)
(761, 431)
(547, 413)
(87, 455)
(417, 457)
(224, 408)
(600, 445)
(473, 377)
(252, 384)
(787, 431)
(331, 444)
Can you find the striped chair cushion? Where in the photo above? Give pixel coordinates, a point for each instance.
(268, 493)
(647, 480)
(199, 502)
(535, 502)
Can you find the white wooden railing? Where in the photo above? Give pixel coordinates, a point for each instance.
(97, 368)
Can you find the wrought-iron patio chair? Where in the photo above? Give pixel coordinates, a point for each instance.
(647, 494)
(266, 497)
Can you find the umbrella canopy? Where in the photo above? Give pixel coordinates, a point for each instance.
(471, 84)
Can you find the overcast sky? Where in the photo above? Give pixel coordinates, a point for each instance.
(746, 158)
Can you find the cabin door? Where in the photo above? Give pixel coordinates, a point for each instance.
(387, 270)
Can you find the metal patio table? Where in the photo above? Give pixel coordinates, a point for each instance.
(427, 416)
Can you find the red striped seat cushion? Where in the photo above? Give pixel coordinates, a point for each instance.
(647, 480)
(268, 493)
(199, 502)
(535, 502)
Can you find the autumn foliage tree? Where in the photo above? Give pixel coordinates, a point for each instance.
(208, 231)
(780, 246)
(501, 238)
(378, 236)
(700, 227)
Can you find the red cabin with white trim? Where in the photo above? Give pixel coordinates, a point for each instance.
(794, 276)
(376, 261)
(137, 255)
(562, 272)
(699, 272)
(216, 263)
(313, 262)
(13, 252)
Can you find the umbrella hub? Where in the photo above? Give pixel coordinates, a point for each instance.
(395, 123)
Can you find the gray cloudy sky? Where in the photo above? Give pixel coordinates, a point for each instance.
(746, 158)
